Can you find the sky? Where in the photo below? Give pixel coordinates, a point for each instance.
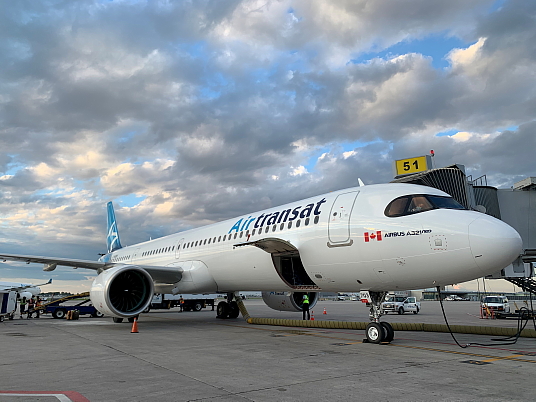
(185, 113)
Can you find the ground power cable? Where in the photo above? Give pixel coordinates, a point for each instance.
(522, 322)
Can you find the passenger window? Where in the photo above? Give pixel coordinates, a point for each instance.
(282, 226)
(273, 228)
(306, 221)
(219, 239)
(241, 234)
(298, 222)
(224, 237)
(253, 233)
(209, 240)
(289, 225)
(236, 234)
(317, 218)
(266, 229)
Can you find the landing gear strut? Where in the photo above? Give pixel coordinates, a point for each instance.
(228, 309)
(378, 332)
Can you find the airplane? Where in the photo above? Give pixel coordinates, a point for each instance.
(23, 289)
(370, 239)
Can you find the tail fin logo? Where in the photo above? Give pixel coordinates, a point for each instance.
(112, 239)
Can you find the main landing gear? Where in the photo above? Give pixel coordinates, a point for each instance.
(228, 309)
(378, 332)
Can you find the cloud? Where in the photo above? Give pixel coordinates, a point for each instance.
(201, 111)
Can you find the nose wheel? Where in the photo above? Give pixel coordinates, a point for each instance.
(376, 331)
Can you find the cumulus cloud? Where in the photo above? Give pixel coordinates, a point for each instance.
(186, 113)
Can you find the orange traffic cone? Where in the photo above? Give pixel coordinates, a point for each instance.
(325, 312)
(312, 315)
(135, 327)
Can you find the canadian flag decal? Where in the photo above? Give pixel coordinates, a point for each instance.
(373, 236)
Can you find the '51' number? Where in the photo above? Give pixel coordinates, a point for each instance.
(407, 165)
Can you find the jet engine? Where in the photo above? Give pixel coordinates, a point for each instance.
(122, 291)
(288, 301)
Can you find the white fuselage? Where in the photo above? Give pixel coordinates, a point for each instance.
(26, 289)
(345, 242)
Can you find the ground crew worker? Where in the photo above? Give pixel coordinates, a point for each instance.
(31, 305)
(305, 304)
(23, 304)
(37, 305)
(181, 303)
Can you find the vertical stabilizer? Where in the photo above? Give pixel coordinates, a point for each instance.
(112, 239)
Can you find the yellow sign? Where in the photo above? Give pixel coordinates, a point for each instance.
(411, 165)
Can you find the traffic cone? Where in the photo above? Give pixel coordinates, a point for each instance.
(135, 327)
(312, 315)
(325, 312)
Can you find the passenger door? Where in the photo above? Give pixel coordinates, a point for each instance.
(339, 219)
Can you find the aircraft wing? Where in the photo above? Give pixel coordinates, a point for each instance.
(159, 274)
(50, 261)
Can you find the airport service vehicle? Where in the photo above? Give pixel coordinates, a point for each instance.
(367, 239)
(455, 298)
(191, 302)
(401, 305)
(60, 310)
(495, 304)
(8, 304)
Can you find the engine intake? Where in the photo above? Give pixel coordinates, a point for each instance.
(122, 291)
(288, 301)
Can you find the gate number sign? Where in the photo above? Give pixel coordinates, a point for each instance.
(412, 165)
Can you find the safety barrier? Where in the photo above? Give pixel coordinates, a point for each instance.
(461, 329)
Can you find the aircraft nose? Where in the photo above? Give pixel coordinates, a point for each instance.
(494, 244)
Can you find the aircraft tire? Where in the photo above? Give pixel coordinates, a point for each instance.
(234, 311)
(222, 311)
(375, 332)
(389, 333)
(401, 310)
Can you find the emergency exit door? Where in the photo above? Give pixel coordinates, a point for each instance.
(339, 219)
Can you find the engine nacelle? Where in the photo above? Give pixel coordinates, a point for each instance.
(122, 291)
(288, 301)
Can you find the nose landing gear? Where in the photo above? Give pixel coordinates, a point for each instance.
(376, 331)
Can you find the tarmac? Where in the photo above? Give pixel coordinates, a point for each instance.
(192, 356)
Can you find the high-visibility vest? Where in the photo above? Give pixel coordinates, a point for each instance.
(306, 300)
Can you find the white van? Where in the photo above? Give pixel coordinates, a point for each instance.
(496, 304)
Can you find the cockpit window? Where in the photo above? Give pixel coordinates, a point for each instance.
(412, 204)
(445, 202)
